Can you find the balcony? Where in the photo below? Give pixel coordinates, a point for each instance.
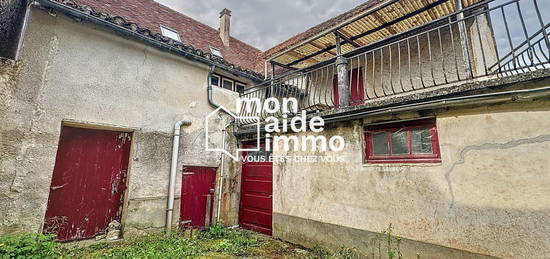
(486, 42)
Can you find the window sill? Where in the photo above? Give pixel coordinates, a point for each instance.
(223, 90)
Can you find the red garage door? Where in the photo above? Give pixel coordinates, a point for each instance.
(88, 182)
(256, 206)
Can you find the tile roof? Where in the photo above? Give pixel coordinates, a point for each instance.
(146, 17)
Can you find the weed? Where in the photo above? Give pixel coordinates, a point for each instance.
(28, 245)
(388, 242)
(99, 246)
(232, 241)
(347, 253)
(321, 252)
(215, 232)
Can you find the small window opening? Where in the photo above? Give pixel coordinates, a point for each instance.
(170, 33)
(215, 80)
(228, 84)
(407, 142)
(216, 52)
(239, 88)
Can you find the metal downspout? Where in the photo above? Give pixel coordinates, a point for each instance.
(209, 88)
(173, 171)
(224, 132)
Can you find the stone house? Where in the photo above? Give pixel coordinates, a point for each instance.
(441, 104)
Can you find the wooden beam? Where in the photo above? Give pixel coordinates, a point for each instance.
(282, 65)
(295, 54)
(314, 44)
(382, 20)
(346, 39)
(383, 26)
(431, 12)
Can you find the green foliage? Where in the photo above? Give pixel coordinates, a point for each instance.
(386, 245)
(232, 241)
(153, 246)
(217, 241)
(347, 253)
(28, 245)
(320, 252)
(99, 246)
(215, 232)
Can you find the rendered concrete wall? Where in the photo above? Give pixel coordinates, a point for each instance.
(488, 196)
(85, 75)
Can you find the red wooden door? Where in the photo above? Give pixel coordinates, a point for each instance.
(88, 182)
(197, 196)
(256, 207)
(357, 90)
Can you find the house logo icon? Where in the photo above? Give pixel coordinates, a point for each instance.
(235, 157)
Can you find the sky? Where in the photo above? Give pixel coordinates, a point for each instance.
(263, 23)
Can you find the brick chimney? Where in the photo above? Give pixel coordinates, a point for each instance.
(225, 21)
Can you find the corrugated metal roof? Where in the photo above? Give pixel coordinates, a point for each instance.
(302, 55)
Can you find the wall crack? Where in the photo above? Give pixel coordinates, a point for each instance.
(488, 146)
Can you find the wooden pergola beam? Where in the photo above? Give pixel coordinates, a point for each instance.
(382, 20)
(431, 12)
(314, 44)
(346, 39)
(383, 26)
(282, 65)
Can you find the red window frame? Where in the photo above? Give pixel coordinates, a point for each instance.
(371, 158)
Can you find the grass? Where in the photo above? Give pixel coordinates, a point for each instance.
(215, 242)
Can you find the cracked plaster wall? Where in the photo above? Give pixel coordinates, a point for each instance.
(488, 196)
(72, 71)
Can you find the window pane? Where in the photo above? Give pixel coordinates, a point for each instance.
(421, 141)
(215, 81)
(227, 84)
(170, 33)
(399, 143)
(240, 88)
(380, 143)
(216, 52)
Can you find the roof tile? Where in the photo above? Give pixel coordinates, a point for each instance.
(146, 17)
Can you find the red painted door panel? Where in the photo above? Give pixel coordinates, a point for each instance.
(357, 89)
(197, 187)
(88, 182)
(256, 207)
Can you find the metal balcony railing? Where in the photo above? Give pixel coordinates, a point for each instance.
(487, 40)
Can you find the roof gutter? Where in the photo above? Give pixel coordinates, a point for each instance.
(209, 88)
(134, 35)
(480, 99)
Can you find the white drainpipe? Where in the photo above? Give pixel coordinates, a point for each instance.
(173, 171)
